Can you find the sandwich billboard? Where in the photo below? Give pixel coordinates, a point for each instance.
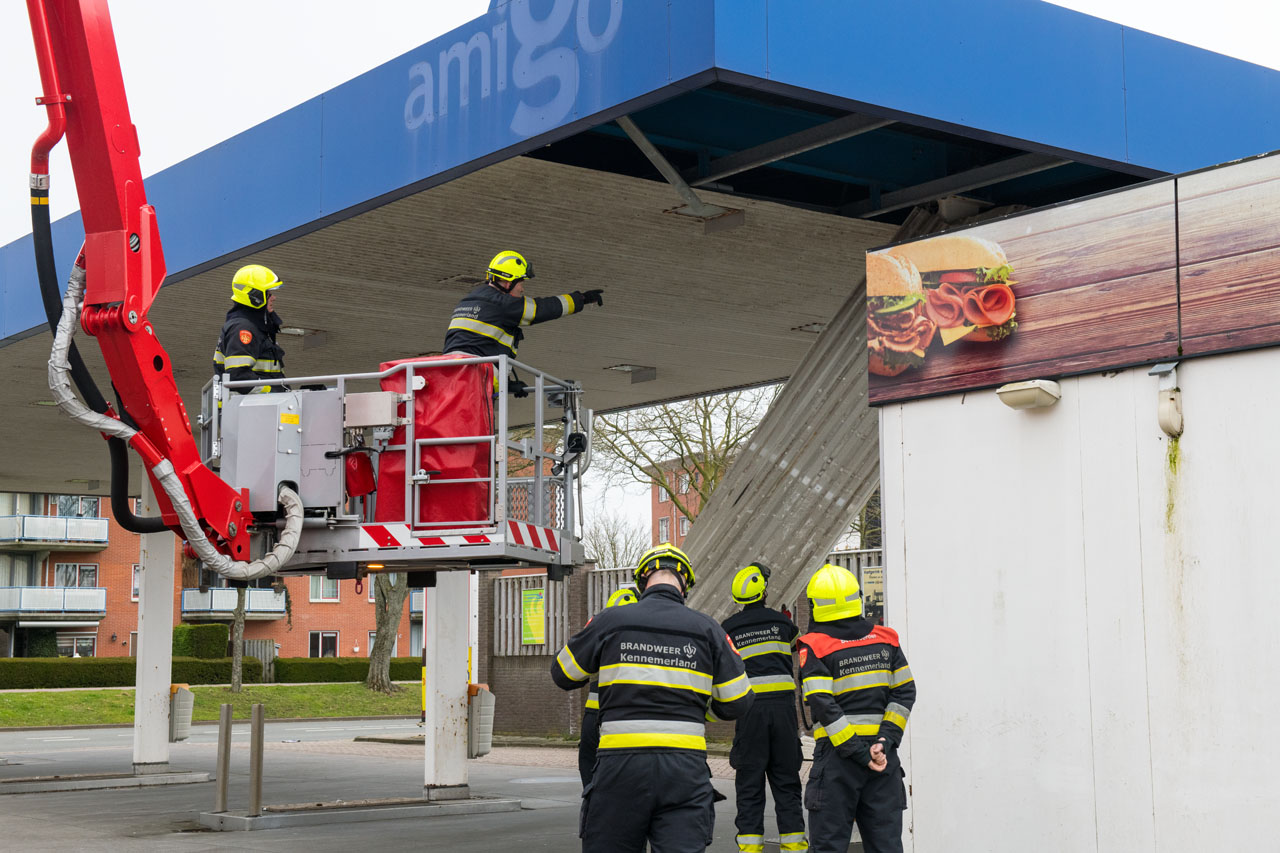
(1171, 268)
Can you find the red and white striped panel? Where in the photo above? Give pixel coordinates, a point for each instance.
(398, 536)
(532, 536)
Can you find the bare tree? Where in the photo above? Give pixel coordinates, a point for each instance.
(237, 642)
(698, 438)
(389, 593)
(866, 524)
(613, 541)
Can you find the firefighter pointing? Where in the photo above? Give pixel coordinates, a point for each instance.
(247, 347)
(490, 319)
(860, 691)
(766, 742)
(663, 670)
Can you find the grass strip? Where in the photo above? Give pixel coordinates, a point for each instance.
(103, 707)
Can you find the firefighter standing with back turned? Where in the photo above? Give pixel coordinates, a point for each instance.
(589, 739)
(489, 320)
(247, 347)
(860, 691)
(663, 670)
(766, 742)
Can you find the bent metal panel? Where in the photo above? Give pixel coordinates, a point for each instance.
(1108, 282)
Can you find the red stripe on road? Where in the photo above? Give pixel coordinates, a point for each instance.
(381, 535)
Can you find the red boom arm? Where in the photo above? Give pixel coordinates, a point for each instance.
(124, 262)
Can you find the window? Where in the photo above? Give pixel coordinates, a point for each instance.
(76, 645)
(323, 589)
(75, 506)
(137, 581)
(17, 570)
(75, 574)
(664, 530)
(369, 580)
(684, 526)
(324, 644)
(415, 639)
(373, 635)
(133, 644)
(683, 481)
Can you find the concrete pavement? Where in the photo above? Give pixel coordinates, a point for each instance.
(304, 762)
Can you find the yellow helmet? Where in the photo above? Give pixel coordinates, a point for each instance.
(834, 594)
(665, 556)
(622, 597)
(251, 283)
(509, 267)
(748, 585)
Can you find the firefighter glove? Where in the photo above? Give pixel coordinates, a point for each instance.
(593, 297)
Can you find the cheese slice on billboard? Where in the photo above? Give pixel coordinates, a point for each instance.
(955, 333)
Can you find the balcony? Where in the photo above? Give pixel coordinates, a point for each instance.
(52, 533)
(416, 599)
(219, 604)
(52, 606)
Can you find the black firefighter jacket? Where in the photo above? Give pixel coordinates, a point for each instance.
(247, 348)
(857, 683)
(663, 671)
(488, 322)
(765, 639)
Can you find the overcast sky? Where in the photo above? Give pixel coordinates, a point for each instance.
(198, 73)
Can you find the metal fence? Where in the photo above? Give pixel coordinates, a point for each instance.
(509, 616)
(265, 651)
(53, 599)
(602, 583)
(520, 502)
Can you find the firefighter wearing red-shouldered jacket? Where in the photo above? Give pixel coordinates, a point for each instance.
(860, 692)
(766, 742)
(663, 670)
(589, 739)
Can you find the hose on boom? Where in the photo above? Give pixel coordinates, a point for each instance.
(60, 385)
(47, 274)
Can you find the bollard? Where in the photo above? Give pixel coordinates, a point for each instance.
(255, 762)
(224, 758)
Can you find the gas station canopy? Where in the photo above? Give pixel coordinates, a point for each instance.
(784, 140)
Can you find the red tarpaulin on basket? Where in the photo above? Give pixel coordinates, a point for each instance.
(457, 401)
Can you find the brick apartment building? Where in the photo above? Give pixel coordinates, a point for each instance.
(669, 523)
(68, 570)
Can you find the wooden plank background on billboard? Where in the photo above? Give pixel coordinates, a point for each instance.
(1229, 223)
(1096, 287)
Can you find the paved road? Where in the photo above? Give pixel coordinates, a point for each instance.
(304, 762)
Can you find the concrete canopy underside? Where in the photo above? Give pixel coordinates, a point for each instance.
(708, 311)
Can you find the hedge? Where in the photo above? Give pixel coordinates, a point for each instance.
(43, 673)
(201, 641)
(304, 670)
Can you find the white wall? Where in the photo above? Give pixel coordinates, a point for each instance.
(1094, 632)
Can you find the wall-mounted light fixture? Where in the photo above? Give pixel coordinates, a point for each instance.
(1168, 398)
(1032, 394)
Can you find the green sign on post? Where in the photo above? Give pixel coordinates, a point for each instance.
(533, 617)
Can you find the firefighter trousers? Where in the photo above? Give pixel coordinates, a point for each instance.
(588, 741)
(766, 747)
(664, 798)
(841, 792)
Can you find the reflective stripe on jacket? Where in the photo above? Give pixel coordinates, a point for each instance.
(488, 322)
(662, 671)
(247, 348)
(764, 637)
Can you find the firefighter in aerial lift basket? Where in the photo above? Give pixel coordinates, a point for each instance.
(860, 691)
(489, 320)
(663, 670)
(247, 347)
(766, 742)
